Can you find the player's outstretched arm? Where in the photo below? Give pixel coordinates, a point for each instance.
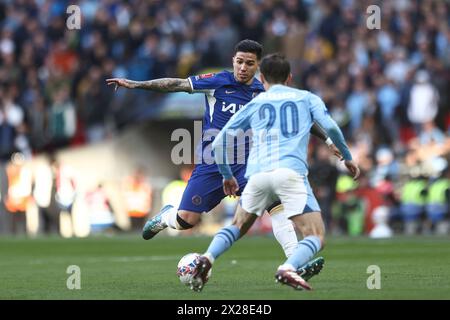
(336, 135)
(159, 85)
(353, 168)
(320, 133)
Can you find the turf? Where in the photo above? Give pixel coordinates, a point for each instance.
(126, 267)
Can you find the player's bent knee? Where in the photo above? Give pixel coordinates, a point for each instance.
(183, 224)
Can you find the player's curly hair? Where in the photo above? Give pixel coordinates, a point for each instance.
(249, 46)
(275, 68)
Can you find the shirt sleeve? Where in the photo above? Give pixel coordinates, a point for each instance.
(321, 115)
(239, 121)
(206, 82)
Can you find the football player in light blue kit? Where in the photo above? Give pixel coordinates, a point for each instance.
(277, 168)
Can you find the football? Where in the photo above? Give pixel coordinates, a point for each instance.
(186, 267)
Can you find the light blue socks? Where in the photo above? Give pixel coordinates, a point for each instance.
(306, 249)
(222, 241)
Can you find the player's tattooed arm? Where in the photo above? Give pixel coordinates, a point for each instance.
(159, 85)
(164, 85)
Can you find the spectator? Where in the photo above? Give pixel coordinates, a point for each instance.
(65, 195)
(423, 105)
(372, 198)
(438, 200)
(12, 125)
(386, 166)
(101, 213)
(380, 220)
(349, 210)
(388, 99)
(413, 204)
(357, 104)
(397, 68)
(44, 198)
(173, 192)
(93, 105)
(19, 191)
(223, 33)
(138, 198)
(62, 119)
(38, 121)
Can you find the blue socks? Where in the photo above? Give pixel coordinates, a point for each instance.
(306, 249)
(222, 241)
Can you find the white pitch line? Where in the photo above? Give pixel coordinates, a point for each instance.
(97, 260)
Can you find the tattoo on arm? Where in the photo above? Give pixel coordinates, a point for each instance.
(163, 85)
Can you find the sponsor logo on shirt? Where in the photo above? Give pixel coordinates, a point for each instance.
(206, 75)
(232, 107)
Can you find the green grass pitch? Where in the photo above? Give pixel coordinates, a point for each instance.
(127, 267)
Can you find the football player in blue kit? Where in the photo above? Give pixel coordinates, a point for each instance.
(225, 93)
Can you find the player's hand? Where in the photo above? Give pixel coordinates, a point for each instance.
(353, 168)
(119, 82)
(336, 151)
(230, 186)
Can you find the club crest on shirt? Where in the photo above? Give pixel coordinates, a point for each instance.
(197, 200)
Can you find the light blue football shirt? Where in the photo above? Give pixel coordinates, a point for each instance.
(279, 120)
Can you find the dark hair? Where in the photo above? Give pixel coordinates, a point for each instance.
(249, 46)
(275, 68)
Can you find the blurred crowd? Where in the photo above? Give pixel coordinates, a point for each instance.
(387, 88)
(45, 196)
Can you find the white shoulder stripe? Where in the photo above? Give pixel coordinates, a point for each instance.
(190, 83)
(206, 91)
